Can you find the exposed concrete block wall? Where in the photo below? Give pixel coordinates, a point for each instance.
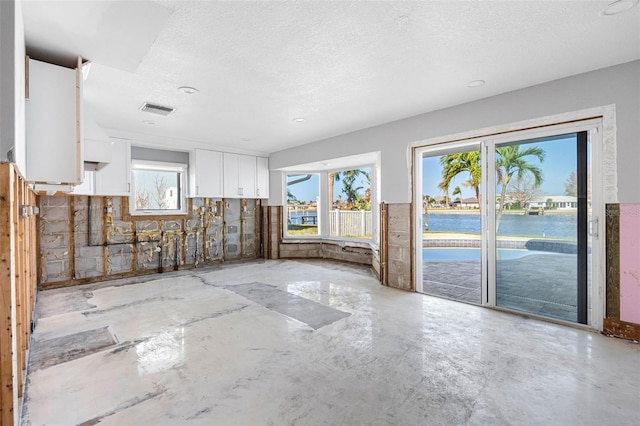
(91, 238)
(55, 239)
(399, 244)
(280, 249)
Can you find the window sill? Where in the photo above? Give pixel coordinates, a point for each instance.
(343, 242)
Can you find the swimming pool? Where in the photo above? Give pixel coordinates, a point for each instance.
(459, 254)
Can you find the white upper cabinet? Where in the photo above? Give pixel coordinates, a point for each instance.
(54, 149)
(206, 174)
(239, 176)
(87, 187)
(113, 178)
(262, 177)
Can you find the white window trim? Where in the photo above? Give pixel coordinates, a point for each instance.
(163, 167)
(604, 182)
(323, 213)
(285, 210)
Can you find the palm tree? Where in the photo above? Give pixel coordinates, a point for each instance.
(350, 191)
(511, 162)
(461, 162)
(457, 191)
(348, 178)
(290, 197)
(333, 178)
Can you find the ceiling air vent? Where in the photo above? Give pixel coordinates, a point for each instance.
(156, 109)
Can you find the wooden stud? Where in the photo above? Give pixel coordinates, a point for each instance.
(612, 291)
(72, 237)
(7, 301)
(25, 271)
(618, 328)
(20, 280)
(384, 236)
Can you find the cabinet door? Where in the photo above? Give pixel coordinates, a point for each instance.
(51, 125)
(231, 182)
(87, 187)
(247, 176)
(208, 175)
(114, 177)
(262, 177)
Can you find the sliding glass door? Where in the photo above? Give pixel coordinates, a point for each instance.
(452, 223)
(540, 230)
(505, 222)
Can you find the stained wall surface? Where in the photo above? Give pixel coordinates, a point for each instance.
(630, 263)
(84, 237)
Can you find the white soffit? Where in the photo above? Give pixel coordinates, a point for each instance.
(342, 163)
(343, 66)
(114, 33)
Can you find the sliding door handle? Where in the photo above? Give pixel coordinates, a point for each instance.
(593, 227)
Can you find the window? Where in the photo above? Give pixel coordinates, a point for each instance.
(303, 200)
(157, 188)
(350, 212)
(331, 204)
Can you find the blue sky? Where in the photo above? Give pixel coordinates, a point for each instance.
(560, 161)
(308, 190)
(305, 191)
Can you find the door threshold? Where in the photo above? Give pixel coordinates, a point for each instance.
(527, 315)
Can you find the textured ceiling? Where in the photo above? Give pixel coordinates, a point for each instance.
(343, 66)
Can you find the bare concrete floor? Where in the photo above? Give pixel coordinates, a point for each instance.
(311, 343)
(542, 284)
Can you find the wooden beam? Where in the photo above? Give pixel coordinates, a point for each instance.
(626, 330)
(72, 237)
(8, 394)
(19, 281)
(612, 233)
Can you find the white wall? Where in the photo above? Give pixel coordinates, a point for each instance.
(619, 85)
(12, 81)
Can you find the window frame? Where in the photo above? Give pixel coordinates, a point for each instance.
(159, 166)
(325, 202)
(285, 210)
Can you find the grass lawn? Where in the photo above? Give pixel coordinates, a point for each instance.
(302, 230)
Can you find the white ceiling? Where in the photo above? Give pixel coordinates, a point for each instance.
(343, 66)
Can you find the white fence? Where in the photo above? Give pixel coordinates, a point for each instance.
(352, 223)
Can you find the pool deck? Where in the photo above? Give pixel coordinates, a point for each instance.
(433, 236)
(459, 240)
(539, 284)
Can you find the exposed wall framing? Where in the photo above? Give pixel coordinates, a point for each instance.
(17, 285)
(90, 238)
(384, 236)
(612, 324)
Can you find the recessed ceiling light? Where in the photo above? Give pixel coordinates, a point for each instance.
(618, 7)
(475, 83)
(188, 90)
(246, 139)
(299, 119)
(149, 122)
